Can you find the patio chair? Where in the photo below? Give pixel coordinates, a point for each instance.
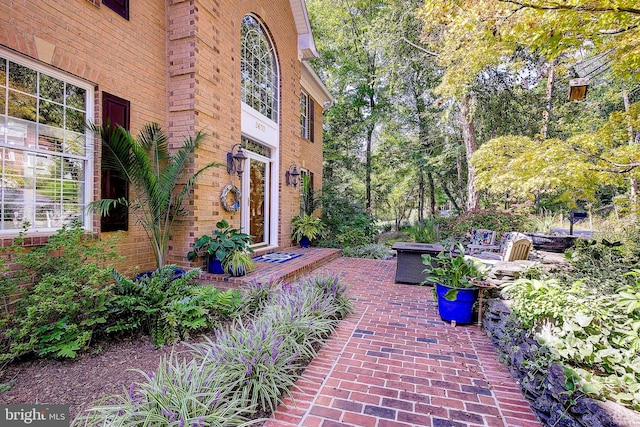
(513, 247)
(481, 240)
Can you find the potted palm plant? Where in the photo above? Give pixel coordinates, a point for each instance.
(237, 263)
(305, 228)
(159, 179)
(457, 281)
(217, 246)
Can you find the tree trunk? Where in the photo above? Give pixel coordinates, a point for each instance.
(452, 199)
(547, 112)
(470, 146)
(367, 177)
(420, 196)
(432, 194)
(632, 181)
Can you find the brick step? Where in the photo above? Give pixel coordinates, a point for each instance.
(311, 259)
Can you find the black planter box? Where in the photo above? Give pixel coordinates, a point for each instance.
(409, 265)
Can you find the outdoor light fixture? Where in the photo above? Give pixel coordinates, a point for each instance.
(236, 160)
(291, 176)
(578, 88)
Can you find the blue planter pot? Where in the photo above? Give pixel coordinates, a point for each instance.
(304, 242)
(460, 310)
(214, 266)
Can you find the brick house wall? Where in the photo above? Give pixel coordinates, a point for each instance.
(178, 63)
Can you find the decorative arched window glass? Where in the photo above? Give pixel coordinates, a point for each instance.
(258, 68)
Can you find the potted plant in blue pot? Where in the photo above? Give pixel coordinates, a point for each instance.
(237, 263)
(305, 228)
(457, 281)
(219, 245)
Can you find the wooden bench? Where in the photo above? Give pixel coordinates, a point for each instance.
(409, 265)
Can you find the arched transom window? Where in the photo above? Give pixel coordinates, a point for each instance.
(259, 71)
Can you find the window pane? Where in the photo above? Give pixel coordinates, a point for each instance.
(75, 144)
(76, 97)
(51, 89)
(12, 216)
(22, 78)
(21, 133)
(51, 139)
(75, 120)
(51, 114)
(22, 106)
(3, 71)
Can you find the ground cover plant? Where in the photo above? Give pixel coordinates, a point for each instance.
(588, 320)
(69, 296)
(244, 371)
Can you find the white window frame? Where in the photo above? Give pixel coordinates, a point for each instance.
(304, 114)
(87, 158)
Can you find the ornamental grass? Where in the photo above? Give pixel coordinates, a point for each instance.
(244, 371)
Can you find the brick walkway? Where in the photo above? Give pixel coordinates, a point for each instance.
(394, 363)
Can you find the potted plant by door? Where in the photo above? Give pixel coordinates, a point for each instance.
(218, 245)
(160, 180)
(456, 281)
(237, 263)
(305, 228)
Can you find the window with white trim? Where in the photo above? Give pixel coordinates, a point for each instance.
(45, 157)
(304, 115)
(258, 69)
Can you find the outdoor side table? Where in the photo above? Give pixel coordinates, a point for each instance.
(409, 265)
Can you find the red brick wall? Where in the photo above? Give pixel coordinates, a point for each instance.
(178, 64)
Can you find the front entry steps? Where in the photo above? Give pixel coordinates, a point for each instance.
(311, 259)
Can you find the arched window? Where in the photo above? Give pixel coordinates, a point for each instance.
(258, 68)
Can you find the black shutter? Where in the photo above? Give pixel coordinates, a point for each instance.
(121, 7)
(311, 119)
(116, 111)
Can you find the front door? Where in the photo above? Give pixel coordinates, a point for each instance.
(256, 189)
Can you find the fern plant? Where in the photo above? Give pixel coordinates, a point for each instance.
(170, 309)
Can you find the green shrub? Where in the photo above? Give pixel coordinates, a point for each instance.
(169, 309)
(347, 223)
(425, 232)
(597, 336)
(371, 251)
(499, 221)
(68, 303)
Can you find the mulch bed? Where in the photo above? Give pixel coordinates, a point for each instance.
(86, 379)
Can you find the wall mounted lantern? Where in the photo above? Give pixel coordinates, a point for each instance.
(235, 160)
(578, 88)
(291, 176)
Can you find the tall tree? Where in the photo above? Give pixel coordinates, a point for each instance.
(351, 62)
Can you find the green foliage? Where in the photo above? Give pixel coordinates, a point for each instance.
(596, 335)
(347, 224)
(223, 242)
(68, 302)
(499, 221)
(601, 263)
(237, 263)
(308, 226)
(244, 372)
(371, 251)
(425, 232)
(169, 309)
(455, 272)
(181, 392)
(158, 178)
